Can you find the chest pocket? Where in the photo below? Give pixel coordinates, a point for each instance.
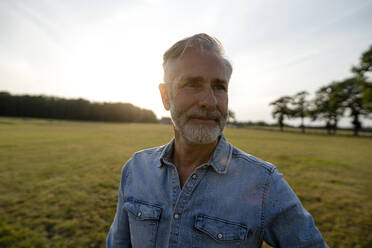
(143, 223)
(215, 232)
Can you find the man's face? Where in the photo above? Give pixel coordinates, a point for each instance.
(198, 98)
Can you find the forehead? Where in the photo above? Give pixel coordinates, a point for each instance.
(198, 63)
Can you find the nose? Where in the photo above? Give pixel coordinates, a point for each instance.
(208, 98)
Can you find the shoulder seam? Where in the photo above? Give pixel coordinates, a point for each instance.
(125, 172)
(150, 150)
(264, 197)
(270, 169)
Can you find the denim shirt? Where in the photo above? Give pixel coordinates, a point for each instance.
(234, 200)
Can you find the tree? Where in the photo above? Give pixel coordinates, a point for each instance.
(281, 110)
(71, 109)
(367, 95)
(361, 71)
(301, 107)
(230, 116)
(327, 106)
(352, 94)
(365, 64)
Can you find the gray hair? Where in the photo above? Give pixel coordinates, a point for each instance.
(201, 41)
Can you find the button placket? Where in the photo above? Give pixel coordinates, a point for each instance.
(183, 197)
(175, 185)
(191, 184)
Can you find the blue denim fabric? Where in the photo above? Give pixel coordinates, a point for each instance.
(234, 200)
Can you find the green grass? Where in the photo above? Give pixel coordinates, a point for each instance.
(59, 179)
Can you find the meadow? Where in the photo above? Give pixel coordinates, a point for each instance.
(59, 179)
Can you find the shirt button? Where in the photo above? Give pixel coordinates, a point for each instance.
(194, 176)
(139, 214)
(176, 216)
(219, 236)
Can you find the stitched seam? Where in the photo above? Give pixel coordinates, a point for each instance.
(230, 156)
(264, 197)
(224, 221)
(122, 188)
(213, 236)
(265, 166)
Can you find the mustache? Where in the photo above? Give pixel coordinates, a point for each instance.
(204, 114)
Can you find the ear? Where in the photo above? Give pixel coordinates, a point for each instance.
(164, 96)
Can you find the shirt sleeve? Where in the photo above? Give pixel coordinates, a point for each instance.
(119, 235)
(286, 222)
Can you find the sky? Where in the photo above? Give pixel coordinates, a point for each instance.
(112, 50)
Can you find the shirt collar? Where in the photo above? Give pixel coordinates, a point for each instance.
(219, 161)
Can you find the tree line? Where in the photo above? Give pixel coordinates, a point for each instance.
(71, 109)
(351, 97)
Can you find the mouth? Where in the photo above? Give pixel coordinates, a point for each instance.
(203, 120)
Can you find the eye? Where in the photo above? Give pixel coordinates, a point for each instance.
(191, 84)
(220, 87)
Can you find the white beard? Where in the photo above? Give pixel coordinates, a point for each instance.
(197, 133)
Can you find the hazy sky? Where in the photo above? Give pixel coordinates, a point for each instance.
(112, 50)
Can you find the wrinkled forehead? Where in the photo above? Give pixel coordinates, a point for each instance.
(197, 63)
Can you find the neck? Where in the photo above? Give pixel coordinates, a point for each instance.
(189, 156)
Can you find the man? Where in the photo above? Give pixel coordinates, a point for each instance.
(199, 190)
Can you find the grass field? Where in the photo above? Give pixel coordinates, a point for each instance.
(59, 179)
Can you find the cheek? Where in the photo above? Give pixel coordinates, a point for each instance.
(223, 103)
(183, 102)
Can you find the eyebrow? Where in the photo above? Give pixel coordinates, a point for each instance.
(196, 79)
(200, 79)
(219, 81)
